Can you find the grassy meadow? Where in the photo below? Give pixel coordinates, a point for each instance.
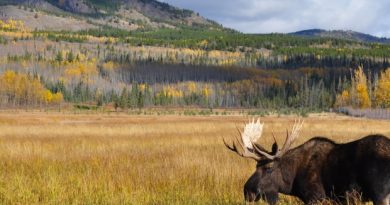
(55, 158)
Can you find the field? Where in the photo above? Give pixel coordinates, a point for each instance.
(56, 158)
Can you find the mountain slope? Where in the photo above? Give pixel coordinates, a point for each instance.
(123, 14)
(340, 34)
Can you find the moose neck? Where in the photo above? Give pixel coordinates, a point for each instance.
(300, 159)
(288, 167)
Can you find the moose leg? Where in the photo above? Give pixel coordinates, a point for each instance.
(314, 194)
(312, 191)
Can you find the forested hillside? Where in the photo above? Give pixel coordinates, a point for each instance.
(347, 35)
(185, 65)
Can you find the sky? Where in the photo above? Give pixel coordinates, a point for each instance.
(284, 16)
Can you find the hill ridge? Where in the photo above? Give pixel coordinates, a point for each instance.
(123, 14)
(341, 34)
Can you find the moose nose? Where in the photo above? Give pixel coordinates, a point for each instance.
(251, 196)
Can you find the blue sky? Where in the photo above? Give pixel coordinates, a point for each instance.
(266, 16)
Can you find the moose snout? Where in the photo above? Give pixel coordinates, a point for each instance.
(252, 190)
(251, 196)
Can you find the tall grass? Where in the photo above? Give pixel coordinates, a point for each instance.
(102, 159)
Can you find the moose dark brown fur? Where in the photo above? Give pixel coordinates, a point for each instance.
(319, 169)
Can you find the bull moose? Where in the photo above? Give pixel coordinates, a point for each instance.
(317, 170)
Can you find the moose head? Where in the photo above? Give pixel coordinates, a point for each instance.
(269, 177)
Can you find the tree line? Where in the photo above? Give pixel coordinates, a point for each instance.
(130, 86)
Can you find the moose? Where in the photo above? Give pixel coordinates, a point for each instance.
(317, 170)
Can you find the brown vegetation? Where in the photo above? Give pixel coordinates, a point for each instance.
(49, 158)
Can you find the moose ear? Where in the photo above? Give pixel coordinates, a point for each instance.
(274, 148)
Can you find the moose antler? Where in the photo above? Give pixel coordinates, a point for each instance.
(252, 132)
(290, 138)
(246, 153)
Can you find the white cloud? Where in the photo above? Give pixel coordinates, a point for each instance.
(265, 16)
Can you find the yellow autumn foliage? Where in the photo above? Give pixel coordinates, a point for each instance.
(47, 96)
(191, 87)
(204, 43)
(170, 91)
(343, 99)
(142, 87)
(14, 29)
(57, 98)
(11, 24)
(206, 91)
(81, 71)
(108, 66)
(360, 81)
(382, 95)
(19, 89)
(16, 34)
(81, 57)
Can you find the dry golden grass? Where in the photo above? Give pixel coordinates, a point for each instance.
(119, 159)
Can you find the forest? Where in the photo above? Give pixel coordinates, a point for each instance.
(189, 67)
